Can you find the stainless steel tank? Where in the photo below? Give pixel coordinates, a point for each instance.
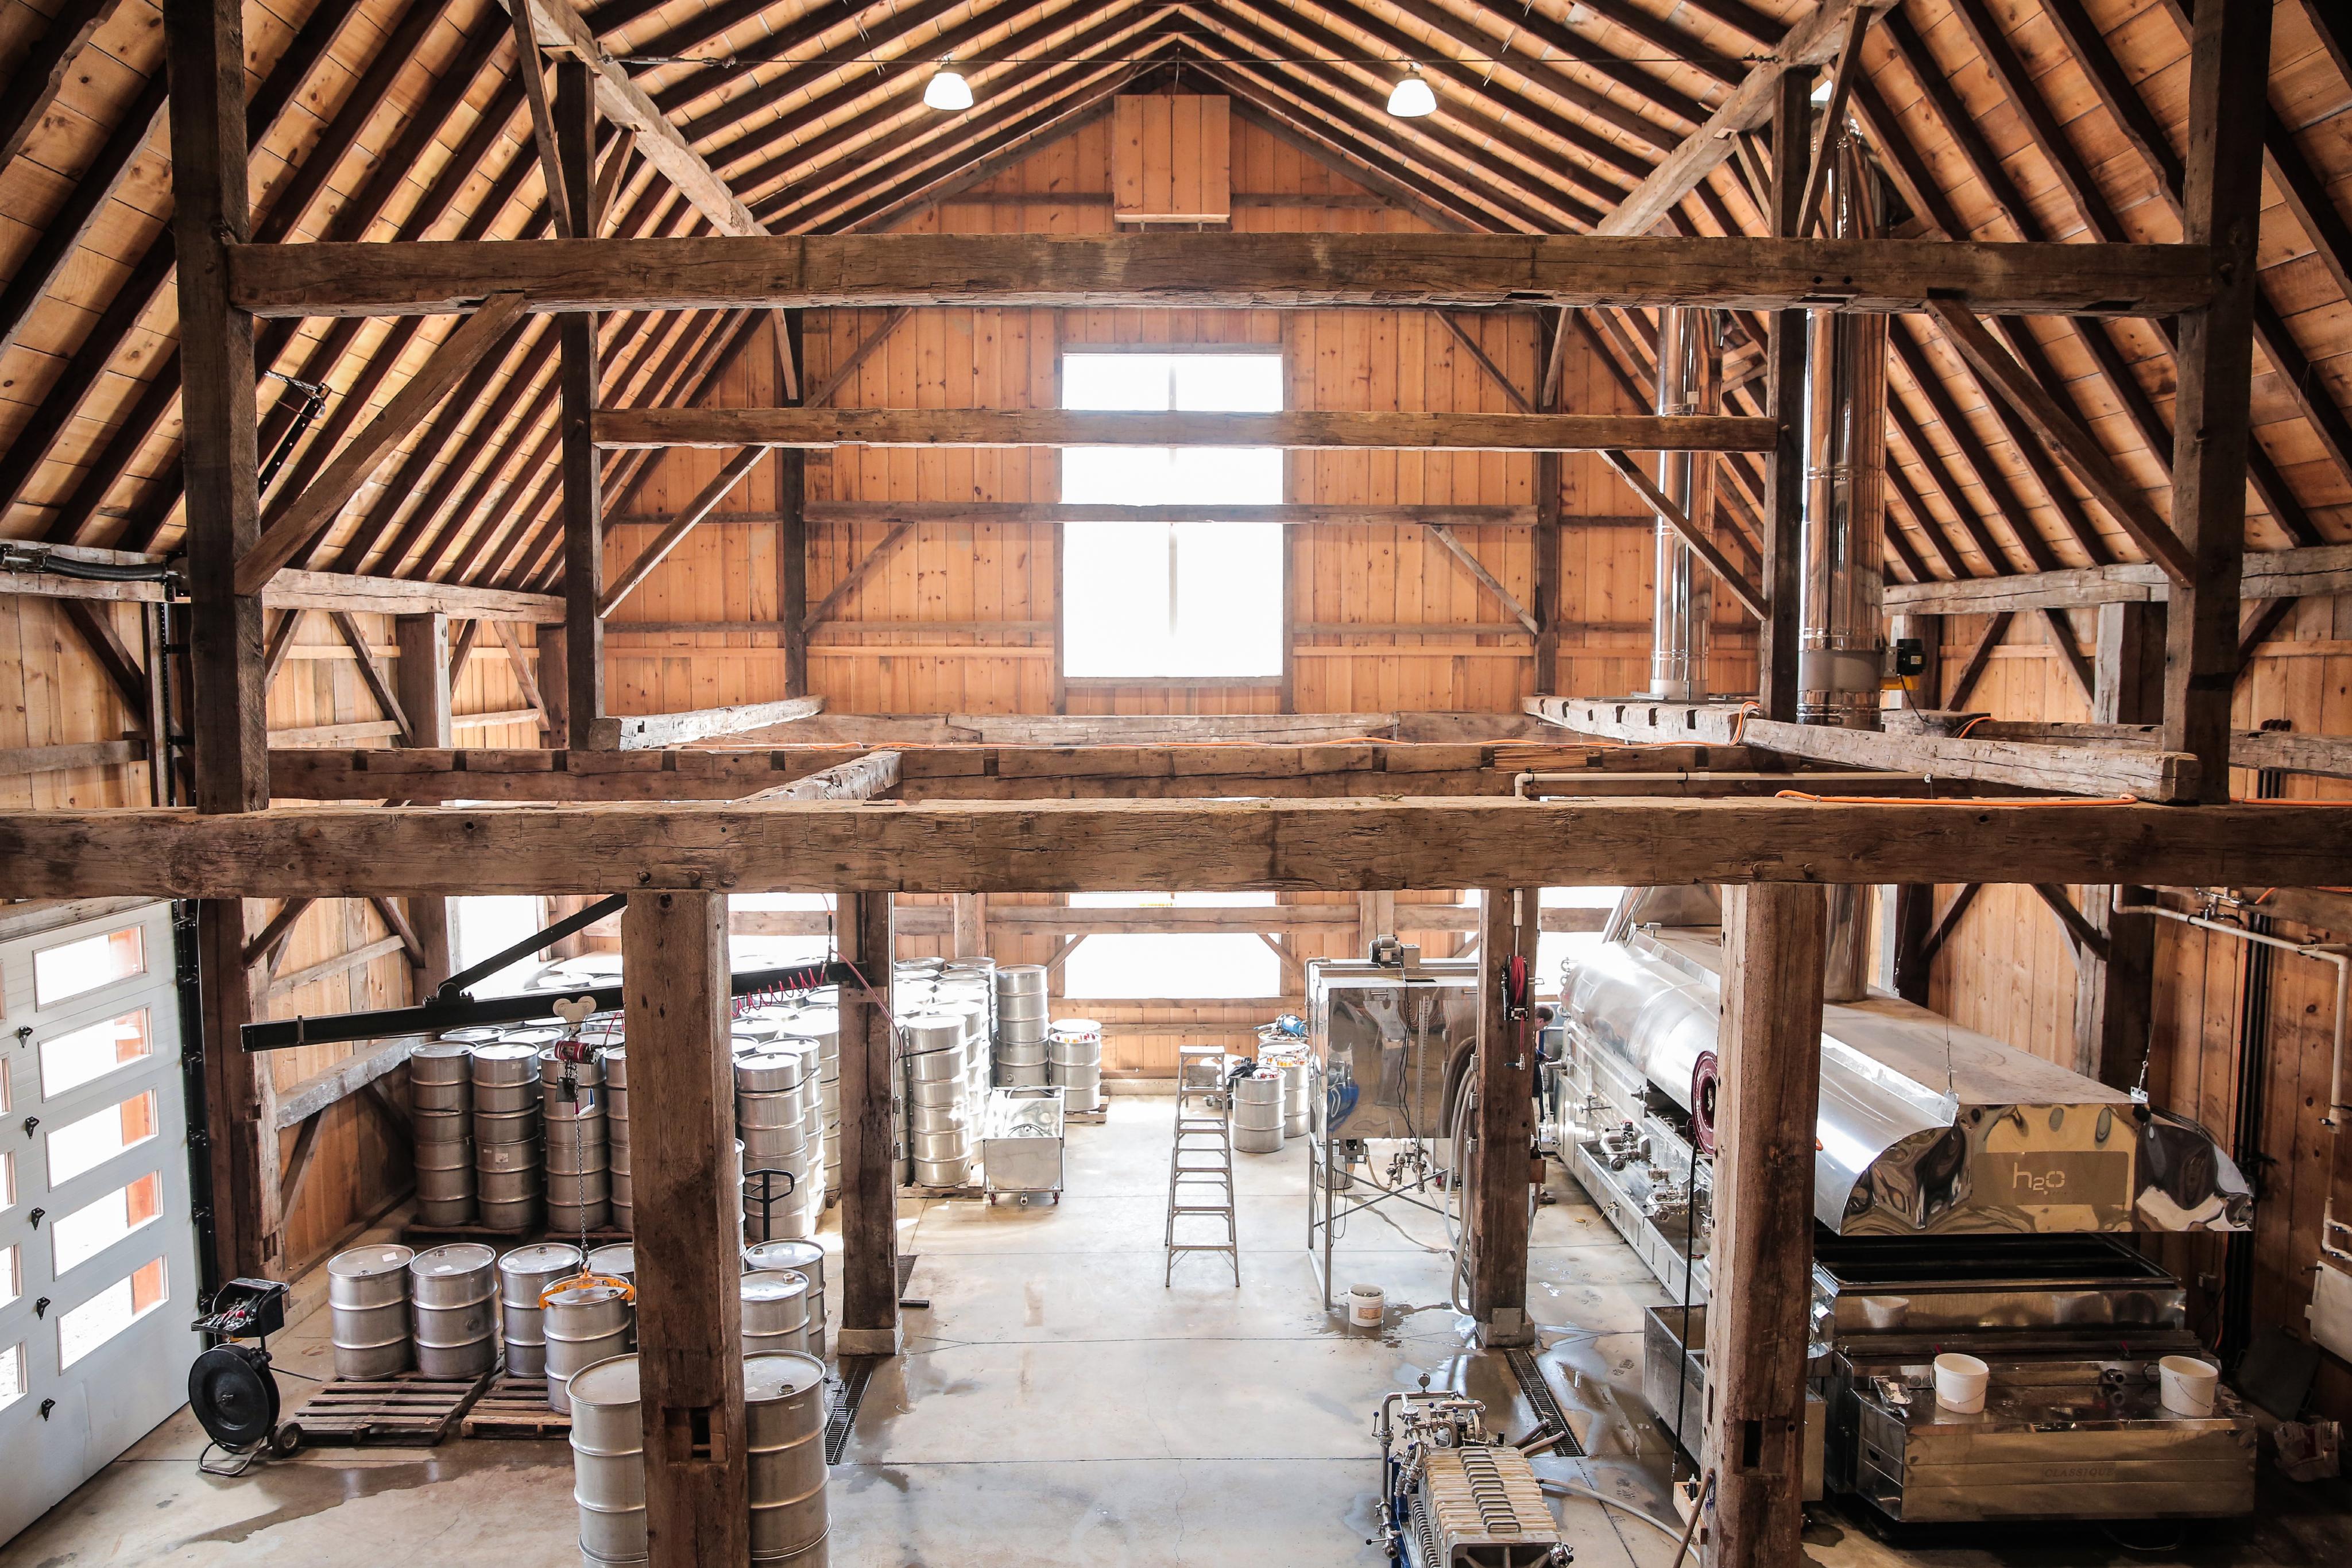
(523, 1273)
(783, 1422)
(1257, 1113)
(584, 1325)
(1683, 602)
(608, 1461)
(453, 1297)
(367, 1294)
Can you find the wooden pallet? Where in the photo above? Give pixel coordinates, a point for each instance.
(516, 1408)
(1094, 1118)
(411, 1411)
(421, 1237)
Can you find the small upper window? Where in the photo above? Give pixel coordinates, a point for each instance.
(75, 968)
(1169, 600)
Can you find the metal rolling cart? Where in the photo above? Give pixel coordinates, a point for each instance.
(1021, 1145)
(1384, 1031)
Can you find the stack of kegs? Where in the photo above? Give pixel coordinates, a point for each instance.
(784, 1434)
(367, 1291)
(571, 1102)
(966, 988)
(775, 1311)
(453, 1296)
(507, 1165)
(584, 1324)
(806, 1258)
(1074, 1063)
(617, 1136)
(775, 1095)
(1258, 1112)
(523, 1274)
(1020, 1025)
(783, 1430)
(938, 1121)
(441, 1106)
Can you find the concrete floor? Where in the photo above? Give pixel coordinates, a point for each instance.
(1057, 1406)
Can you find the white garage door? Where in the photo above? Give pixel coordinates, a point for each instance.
(97, 1264)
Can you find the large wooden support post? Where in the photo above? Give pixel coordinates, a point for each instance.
(689, 1305)
(2222, 194)
(1507, 1089)
(422, 679)
(969, 925)
(205, 44)
(1784, 397)
(1769, 1046)
(792, 524)
(2114, 996)
(869, 1197)
(583, 505)
(555, 681)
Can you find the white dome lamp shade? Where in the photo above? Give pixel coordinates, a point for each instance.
(947, 90)
(1411, 98)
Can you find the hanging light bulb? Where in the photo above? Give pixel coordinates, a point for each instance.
(1411, 98)
(947, 90)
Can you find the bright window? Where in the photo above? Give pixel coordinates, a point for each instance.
(109, 1312)
(1173, 599)
(481, 926)
(86, 1145)
(12, 1276)
(75, 968)
(69, 1061)
(12, 1374)
(773, 949)
(1207, 966)
(1552, 946)
(89, 1230)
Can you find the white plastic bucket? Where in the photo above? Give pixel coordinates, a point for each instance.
(1961, 1382)
(1366, 1307)
(2186, 1385)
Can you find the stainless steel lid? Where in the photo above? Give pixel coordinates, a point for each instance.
(610, 1382)
(779, 1375)
(367, 1262)
(456, 1258)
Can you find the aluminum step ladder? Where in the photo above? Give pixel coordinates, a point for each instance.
(1200, 1162)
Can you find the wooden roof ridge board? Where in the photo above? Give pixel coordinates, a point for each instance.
(1520, 87)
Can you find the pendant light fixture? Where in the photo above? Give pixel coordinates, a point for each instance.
(947, 90)
(1411, 98)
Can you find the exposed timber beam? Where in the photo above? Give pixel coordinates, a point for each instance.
(34, 80)
(1484, 579)
(2068, 442)
(860, 779)
(732, 474)
(1815, 41)
(1979, 659)
(646, 731)
(2149, 775)
(2267, 574)
(1699, 542)
(1334, 846)
(1158, 270)
(294, 525)
(1336, 512)
(1295, 429)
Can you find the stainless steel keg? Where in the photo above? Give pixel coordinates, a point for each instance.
(775, 1311)
(608, 1461)
(784, 1434)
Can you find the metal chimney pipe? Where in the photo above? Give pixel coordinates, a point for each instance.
(1684, 597)
(1842, 635)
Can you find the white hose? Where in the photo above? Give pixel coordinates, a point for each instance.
(1569, 1488)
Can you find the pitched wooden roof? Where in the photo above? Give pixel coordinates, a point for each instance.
(2056, 119)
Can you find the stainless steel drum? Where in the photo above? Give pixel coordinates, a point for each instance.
(440, 1077)
(509, 1199)
(775, 1311)
(506, 1076)
(1297, 1071)
(806, 1258)
(1026, 1075)
(608, 1461)
(436, 1124)
(579, 1203)
(507, 1127)
(784, 1434)
(1257, 1113)
(1074, 1063)
(453, 1292)
(577, 1145)
(523, 1273)
(587, 1088)
(584, 1325)
(367, 1291)
(623, 1196)
(1016, 984)
(444, 1181)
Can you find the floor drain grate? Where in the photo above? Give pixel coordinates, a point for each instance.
(849, 1393)
(1538, 1389)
